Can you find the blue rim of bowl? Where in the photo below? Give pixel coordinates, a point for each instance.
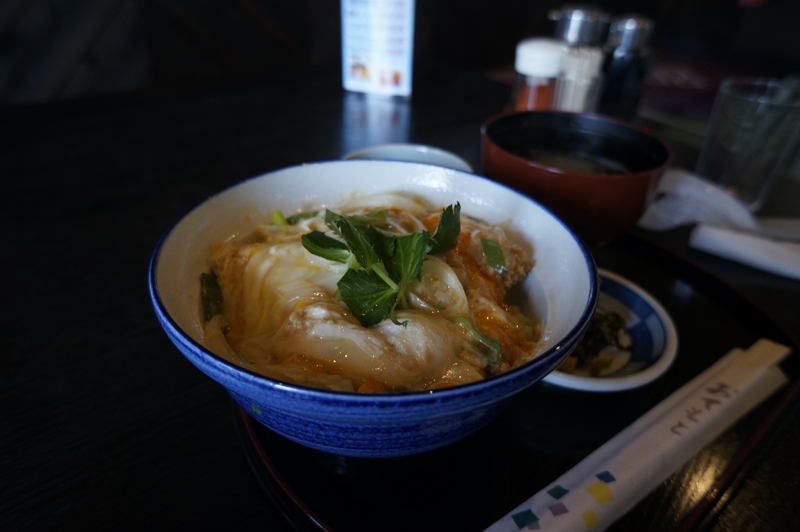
(262, 381)
(647, 375)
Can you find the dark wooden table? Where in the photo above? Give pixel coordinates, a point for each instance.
(103, 424)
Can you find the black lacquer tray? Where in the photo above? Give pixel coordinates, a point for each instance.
(471, 484)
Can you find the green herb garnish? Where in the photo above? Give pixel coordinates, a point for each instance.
(494, 254)
(380, 266)
(406, 264)
(376, 218)
(367, 296)
(446, 235)
(326, 247)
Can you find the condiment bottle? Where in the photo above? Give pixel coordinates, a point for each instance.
(624, 67)
(583, 30)
(538, 64)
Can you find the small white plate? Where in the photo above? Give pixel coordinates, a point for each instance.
(652, 332)
(415, 153)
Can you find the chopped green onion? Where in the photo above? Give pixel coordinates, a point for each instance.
(484, 347)
(371, 218)
(294, 219)
(494, 254)
(211, 294)
(278, 218)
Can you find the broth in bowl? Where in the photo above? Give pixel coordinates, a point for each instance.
(575, 162)
(382, 294)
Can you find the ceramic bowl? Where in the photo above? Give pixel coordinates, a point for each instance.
(415, 153)
(595, 173)
(561, 290)
(647, 324)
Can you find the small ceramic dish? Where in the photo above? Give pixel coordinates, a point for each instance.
(650, 329)
(414, 153)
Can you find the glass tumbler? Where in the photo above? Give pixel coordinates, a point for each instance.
(753, 130)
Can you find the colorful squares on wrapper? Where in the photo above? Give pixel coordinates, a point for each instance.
(558, 509)
(526, 519)
(589, 518)
(600, 492)
(606, 477)
(557, 492)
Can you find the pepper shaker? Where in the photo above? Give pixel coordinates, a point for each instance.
(624, 67)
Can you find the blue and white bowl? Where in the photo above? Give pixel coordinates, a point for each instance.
(648, 325)
(561, 289)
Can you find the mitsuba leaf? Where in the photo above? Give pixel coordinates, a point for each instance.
(320, 244)
(377, 218)
(367, 296)
(383, 244)
(380, 266)
(446, 235)
(358, 243)
(406, 263)
(371, 218)
(330, 220)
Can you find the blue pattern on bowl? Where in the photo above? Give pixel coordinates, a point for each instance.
(365, 425)
(648, 334)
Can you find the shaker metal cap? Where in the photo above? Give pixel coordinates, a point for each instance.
(580, 25)
(630, 32)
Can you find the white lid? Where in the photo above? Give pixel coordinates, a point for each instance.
(539, 57)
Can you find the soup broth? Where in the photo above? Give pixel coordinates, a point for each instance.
(576, 162)
(295, 302)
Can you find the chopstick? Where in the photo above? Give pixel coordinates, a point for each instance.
(744, 462)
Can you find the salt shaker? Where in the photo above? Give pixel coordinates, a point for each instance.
(624, 67)
(538, 64)
(583, 30)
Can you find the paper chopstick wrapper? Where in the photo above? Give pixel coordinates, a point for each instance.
(611, 480)
(780, 258)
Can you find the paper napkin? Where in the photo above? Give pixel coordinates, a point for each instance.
(610, 481)
(725, 227)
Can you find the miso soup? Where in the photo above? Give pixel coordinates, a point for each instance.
(576, 162)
